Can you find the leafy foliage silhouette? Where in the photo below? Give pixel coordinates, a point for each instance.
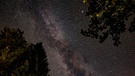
(107, 17)
(18, 58)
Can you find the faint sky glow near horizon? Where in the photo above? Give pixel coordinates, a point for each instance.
(57, 24)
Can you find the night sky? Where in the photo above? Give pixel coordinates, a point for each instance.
(57, 24)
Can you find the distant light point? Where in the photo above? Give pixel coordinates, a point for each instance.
(82, 11)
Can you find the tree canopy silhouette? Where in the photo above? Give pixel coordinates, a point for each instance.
(18, 58)
(107, 17)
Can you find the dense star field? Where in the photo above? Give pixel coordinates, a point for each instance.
(57, 24)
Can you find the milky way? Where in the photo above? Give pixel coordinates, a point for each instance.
(57, 24)
(68, 59)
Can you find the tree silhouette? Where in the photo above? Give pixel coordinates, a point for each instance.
(37, 60)
(18, 58)
(107, 17)
(12, 47)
